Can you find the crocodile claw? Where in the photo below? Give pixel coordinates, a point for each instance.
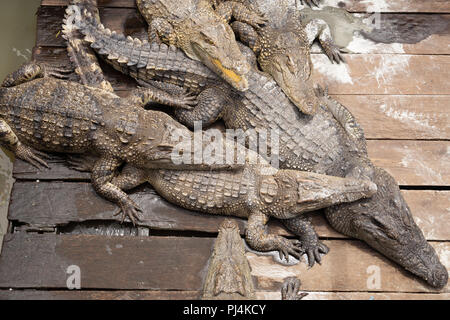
(290, 247)
(32, 156)
(313, 252)
(334, 53)
(131, 210)
(290, 288)
(188, 101)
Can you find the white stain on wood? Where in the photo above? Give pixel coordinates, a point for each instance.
(419, 164)
(362, 45)
(388, 67)
(333, 71)
(376, 5)
(409, 118)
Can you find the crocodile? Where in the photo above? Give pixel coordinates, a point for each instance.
(256, 192)
(202, 32)
(229, 273)
(283, 49)
(330, 142)
(40, 111)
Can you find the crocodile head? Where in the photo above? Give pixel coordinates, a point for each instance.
(291, 69)
(215, 45)
(385, 223)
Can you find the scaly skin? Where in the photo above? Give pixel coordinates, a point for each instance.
(39, 113)
(257, 192)
(229, 275)
(283, 50)
(330, 142)
(202, 33)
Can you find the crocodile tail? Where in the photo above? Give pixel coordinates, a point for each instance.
(345, 119)
(81, 55)
(119, 49)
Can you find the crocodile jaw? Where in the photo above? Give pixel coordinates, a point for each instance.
(385, 223)
(235, 76)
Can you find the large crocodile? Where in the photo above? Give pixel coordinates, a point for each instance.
(327, 143)
(283, 49)
(202, 33)
(41, 113)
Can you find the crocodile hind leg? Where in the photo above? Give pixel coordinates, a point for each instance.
(130, 178)
(210, 107)
(9, 140)
(102, 175)
(259, 240)
(32, 70)
(310, 243)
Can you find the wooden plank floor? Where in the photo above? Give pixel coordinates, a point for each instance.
(400, 93)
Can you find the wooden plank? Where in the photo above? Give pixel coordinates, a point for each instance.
(264, 295)
(413, 162)
(55, 204)
(393, 74)
(349, 265)
(194, 295)
(168, 263)
(102, 295)
(400, 117)
(351, 5)
(130, 22)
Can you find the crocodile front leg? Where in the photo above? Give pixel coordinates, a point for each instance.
(259, 240)
(32, 70)
(9, 140)
(238, 11)
(102, 175)
(210, 108)
(319, 29)
(309, 239)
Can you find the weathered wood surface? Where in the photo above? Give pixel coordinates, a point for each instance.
(51, 204)
(431, 6)
(41, 261)
(193, 295)
(413, 162)
(130, 22)
(407, 117)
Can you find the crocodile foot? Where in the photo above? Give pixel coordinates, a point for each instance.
(333, 52)
(129, 209)
(288, 247)
(313, 250)
(32, 156)
(81, 163)
(290, 288)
